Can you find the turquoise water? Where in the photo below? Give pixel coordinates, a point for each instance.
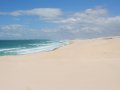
(20, 47)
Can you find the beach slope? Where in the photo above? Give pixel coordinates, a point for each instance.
(92, 64)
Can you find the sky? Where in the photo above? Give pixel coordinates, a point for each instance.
(59, 19)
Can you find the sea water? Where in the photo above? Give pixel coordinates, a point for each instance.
(20, 47)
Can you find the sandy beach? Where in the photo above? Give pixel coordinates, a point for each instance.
(92, 64)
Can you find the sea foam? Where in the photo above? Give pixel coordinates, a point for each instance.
(29, 47)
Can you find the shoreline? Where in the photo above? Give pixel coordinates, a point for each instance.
(81, 65)
(61, 43)
(64, 44)
(69, 42)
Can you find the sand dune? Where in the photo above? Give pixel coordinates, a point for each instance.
(92, 64)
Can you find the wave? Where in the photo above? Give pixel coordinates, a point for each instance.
(35, 48)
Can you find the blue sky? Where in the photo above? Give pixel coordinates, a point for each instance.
(59, 19)
(66, 5)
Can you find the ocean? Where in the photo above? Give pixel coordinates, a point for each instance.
(21, 47)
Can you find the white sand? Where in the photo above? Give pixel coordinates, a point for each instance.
(83, 65)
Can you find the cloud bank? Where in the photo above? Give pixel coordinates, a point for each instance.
(90, 20)
(94, 22)
(47, 13)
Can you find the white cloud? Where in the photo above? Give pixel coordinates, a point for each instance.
(11, 27)
(46, 30)
(90, 21)
(95, 21)
(46, 13)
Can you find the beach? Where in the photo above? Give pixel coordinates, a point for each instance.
(92, 64)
